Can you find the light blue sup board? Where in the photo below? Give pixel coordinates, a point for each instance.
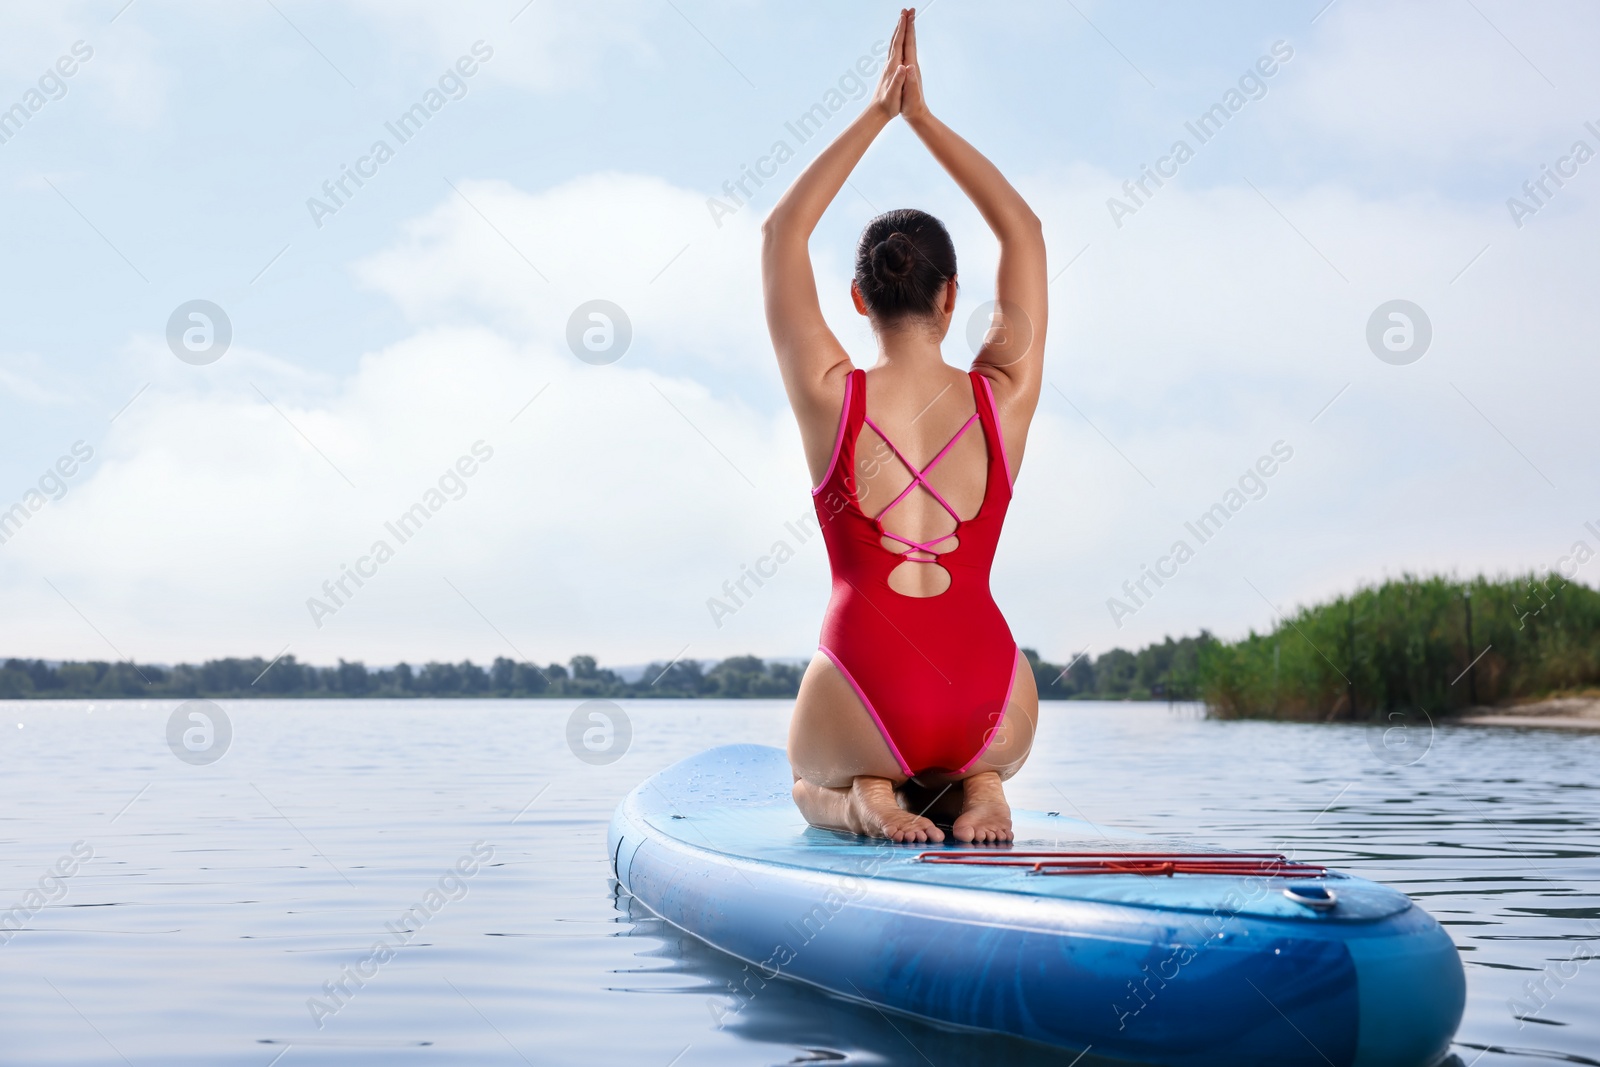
(1186, 970)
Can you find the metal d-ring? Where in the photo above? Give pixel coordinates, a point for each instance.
(1317, 897)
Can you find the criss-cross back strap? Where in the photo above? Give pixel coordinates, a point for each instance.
(918, 545)
(919, 477)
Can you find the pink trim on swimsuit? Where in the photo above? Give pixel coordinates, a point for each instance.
(838, 441)
(893, 748)
(1005, 706)
(987, 388)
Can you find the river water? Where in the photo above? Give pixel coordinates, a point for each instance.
(176, 911)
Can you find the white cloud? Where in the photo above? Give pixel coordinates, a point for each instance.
(602, 521)
(27, 377)
(688, 287)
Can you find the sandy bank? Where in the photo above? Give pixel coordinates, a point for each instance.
(1573, 713)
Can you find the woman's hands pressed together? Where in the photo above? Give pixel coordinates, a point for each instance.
(912, 105)
(886, 96)
(899, 90)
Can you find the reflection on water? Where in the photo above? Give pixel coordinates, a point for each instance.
(217, 902)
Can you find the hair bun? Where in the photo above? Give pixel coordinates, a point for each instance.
(893, 258)
(903, 261)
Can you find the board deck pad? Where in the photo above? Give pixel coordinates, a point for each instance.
(741, 807)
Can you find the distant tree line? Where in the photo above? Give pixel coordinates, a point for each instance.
(1168, 671)
(1161, 672)
(738, 676)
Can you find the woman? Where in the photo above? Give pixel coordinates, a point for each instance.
(917, 678)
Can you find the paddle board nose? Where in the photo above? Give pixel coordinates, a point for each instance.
(1412, 991)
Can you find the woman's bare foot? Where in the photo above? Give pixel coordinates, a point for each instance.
(875, 811)
(985, 817)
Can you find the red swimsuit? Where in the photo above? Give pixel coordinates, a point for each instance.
(935, 673)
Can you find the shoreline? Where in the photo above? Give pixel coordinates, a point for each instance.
(1569, 713)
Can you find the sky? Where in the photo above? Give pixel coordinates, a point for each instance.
(401, 337)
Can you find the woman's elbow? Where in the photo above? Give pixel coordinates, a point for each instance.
(773, 226)
(1022, 229)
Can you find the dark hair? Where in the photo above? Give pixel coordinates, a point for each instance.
(903, 259)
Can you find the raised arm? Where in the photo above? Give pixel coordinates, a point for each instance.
(810, 358)
(1012, 357)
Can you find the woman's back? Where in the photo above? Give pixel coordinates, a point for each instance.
(920, 423)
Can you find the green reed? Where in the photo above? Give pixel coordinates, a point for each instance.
(1406, 644)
